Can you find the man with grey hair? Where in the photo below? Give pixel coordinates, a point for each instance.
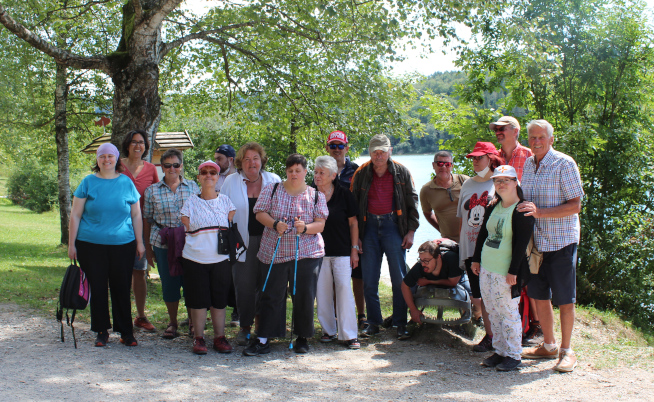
(553, 189)
(388, 219)
(439, 197)
(507, 131)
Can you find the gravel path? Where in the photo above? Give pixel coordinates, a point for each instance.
(35, 365)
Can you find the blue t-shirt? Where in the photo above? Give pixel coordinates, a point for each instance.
(107, 215)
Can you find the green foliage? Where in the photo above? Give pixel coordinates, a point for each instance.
(33, 186)
(554, 59)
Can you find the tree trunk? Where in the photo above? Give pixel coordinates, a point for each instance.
(135, 74)
(61, 137)
(292, 146)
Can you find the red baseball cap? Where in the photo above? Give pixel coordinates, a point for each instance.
(337, 136)
(483, 148)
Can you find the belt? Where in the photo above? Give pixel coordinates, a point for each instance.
(384, 216)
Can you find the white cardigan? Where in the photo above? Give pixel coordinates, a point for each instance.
(235, 188)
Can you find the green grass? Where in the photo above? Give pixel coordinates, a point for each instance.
(32, 264)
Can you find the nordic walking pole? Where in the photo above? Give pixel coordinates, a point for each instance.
(279, 238)
(297, 252)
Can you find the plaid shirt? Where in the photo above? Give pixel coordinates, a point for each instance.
(518, 158)
(162, 206)
(285, 206)
(556, 181)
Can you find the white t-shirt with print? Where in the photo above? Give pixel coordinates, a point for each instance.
(205, 217)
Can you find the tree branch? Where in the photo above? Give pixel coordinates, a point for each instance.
(167, 47)
(138, 10)
(61, 56)
(155, 19)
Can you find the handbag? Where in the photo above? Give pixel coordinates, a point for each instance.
(237, 245)
(534, 257)
(223, 240)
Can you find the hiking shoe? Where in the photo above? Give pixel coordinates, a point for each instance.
(353, 344)
(540, 352)
(485, 345)
(327, 338)
(370, 330)
(235, 320)
(221, 345)
(508, 364)
(533, 336)
(301, 345)
(243, 337)
(257, 348)
(402, 333)
(144, 324)
(199, 346)
(567, 361)
(128, 340)
(388, 322)
(102, 339)
(492, 361)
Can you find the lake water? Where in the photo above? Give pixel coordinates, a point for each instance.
(421, 170)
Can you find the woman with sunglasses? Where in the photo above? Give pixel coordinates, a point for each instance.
(207, 274)
(439, 197)
(476, 193)
(142, 173)
(501, 263)
(243, 189)
(291, 251)
(161, 211)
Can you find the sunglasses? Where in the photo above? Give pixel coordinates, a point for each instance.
(503, 181)
(500, 129)
(478, 158)
(206, 172)
(336, 146)
(169, 165)
(441, 164)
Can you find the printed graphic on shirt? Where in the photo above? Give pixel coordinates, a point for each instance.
(493, 240)
(476, 206)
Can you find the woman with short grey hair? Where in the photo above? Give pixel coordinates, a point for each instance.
(341, 257)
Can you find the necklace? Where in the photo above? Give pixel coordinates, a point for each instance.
(252, 181)
(328, 193)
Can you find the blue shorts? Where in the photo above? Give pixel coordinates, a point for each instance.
(557, 277)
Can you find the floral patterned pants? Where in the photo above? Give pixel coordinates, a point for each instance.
(503, 312)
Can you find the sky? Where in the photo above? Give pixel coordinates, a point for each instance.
(416, 61)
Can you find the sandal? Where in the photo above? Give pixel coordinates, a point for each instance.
(170, 333)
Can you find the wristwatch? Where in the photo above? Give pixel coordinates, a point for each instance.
(356, 247)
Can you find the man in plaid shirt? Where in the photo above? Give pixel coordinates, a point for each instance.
(553, 190)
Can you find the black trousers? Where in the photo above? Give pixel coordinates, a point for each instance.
(273, 300)
(109, 266)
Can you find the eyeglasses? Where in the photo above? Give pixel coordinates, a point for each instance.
(137, 143)
(441, 164)
(336, 146)
(503, 181)
(501, 128)
(425, 262)
(206, 172)
(478, 158)
(169, 165)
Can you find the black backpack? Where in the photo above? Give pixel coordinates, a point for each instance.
(73, 295)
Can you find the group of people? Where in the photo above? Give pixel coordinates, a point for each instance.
(325, 242)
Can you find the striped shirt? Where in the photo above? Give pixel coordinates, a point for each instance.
(556, 181)
(518, 158)
(162, 206)
(285, 206)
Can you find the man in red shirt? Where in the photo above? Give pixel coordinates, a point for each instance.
(507, 131)
(388, 218)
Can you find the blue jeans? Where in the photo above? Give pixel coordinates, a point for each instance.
(382, 236)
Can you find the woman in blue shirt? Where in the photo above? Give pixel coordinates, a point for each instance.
(105, 234)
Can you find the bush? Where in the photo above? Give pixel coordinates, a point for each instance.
(33, 186)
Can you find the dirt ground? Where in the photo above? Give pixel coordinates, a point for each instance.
(435, 364)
